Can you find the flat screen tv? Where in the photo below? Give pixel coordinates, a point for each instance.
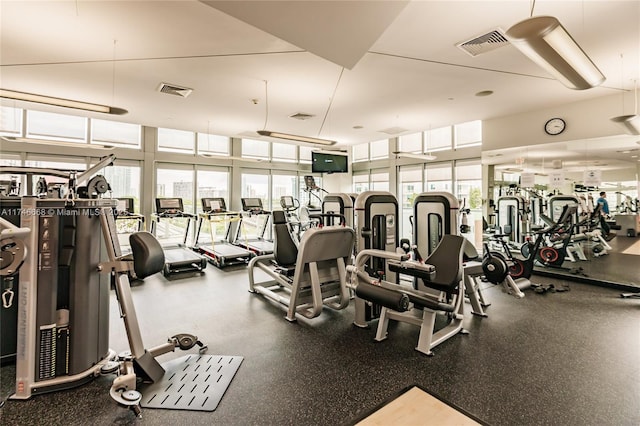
(329, 163)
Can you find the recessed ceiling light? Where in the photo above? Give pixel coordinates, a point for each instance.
(485, 93)
(357, 127)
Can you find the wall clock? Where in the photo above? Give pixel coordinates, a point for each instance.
(555, 126)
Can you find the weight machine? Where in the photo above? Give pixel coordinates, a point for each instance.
(341, 204)
(305, 278)
(70, 258)
(512, 218)
(13, 210)
(376, 214)
(436, 214)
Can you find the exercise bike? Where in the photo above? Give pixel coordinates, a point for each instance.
(514, 273)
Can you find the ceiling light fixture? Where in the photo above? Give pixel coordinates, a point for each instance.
(57, 143)
(426, 157)
(227, 157)
(631, 123)
(296, 138)
(547, 43)
(60, 102)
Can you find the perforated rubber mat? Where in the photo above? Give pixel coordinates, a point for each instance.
(193, 382)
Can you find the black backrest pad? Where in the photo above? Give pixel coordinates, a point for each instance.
(148, 257)
(447, 258)
(285, 251)
(279, 217)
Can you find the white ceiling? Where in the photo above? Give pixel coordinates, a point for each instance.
(379, 65)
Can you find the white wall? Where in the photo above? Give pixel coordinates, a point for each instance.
(585, 120)
(337, 182)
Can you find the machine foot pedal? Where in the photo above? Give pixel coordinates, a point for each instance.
(192, 382)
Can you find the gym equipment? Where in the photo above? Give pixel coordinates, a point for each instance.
(14, 212)
(556, 205)
(436, 214)
(629, 223)
(339, 203)
(313, 190)
(139, 362)
(376, 215)
(441, 273)
(221, 252)
(127, 221)
(303, 279)
(298, 222)
(125, 211)
(512, 217)
(514, 274)
(252, 210)
(178, 258)
(13, 251)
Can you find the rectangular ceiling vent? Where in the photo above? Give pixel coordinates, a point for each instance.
(393, 130)
(172, 89)
(301, 116)
(484, 43)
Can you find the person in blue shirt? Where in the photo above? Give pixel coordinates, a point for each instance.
(603, 200)
(608, 235)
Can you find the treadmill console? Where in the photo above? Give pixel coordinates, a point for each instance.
(253, 205)
(169, 206)
(213, 205)
(287, 203)
(124, 207)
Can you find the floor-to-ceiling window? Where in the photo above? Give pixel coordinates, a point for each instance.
(469, 192)
(175, 181)
(379, 180)
(410, 185)
(438, 177)
(360, 182)
(282, 184)
(213, 182)
(255, 184)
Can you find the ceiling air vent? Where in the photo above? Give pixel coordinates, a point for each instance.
(172, 89)
(301, 116)
(484, 43)
(393, 130)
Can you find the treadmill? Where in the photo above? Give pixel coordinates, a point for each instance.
(221, 252)
(125, 211)
(127, 221)
(252, 211)
(178, 258)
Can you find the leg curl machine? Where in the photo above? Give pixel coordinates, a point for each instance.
(436, 214)
(440, 290)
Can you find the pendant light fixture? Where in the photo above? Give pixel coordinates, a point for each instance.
(547, 43)
(630, 123)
